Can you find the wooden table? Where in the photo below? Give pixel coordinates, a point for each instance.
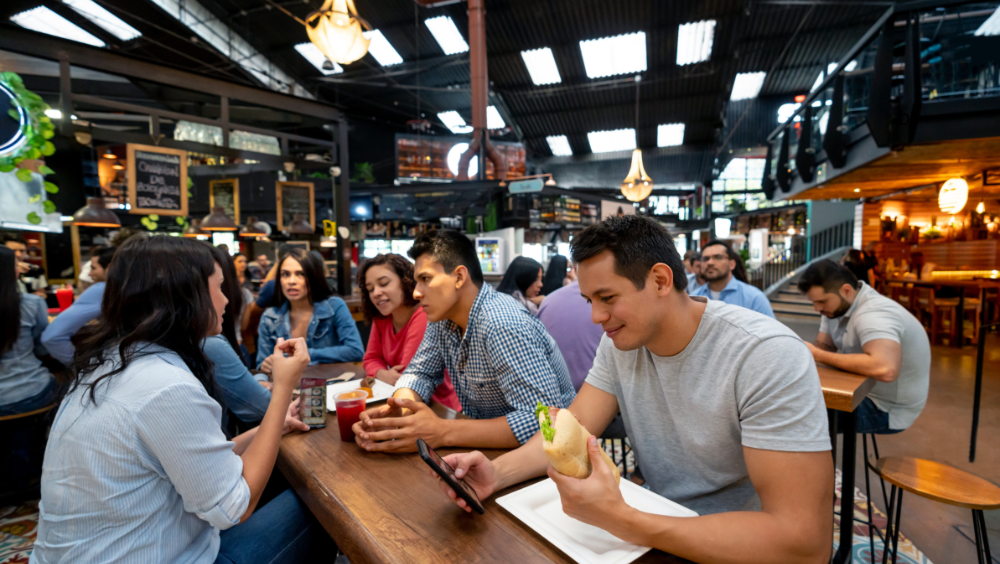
(844, 391)
(387, 508)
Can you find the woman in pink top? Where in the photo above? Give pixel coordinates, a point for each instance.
(398, 323)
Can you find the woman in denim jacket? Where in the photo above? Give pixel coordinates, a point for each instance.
(305, 308)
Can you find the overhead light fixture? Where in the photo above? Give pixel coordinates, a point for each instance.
(218, 221)
(541, 66)
(453, 121)
(551, 181)
(455, 155)
(382, 50)
(44, 20)
(694, 42)
(104, 19)
(786, 111)
(637, 185)
(195, 230)
(607, 141)
(559, 144)
(991, 26)
(94, 214)
(953, 196)
(336, 30)
(118, 166)
(109, 154)
(53, 113)
(747, 85)
(446, 34)
(609, 56)
(316, 58)
(981, 208)
(670, 135)
(723, 227)
(493, 119)
(299, 225)
(253, 228)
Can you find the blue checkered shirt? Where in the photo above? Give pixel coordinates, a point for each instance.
(504, 364)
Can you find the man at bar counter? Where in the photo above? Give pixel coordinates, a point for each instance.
(500, 358)
(864, 332)
(723, 407)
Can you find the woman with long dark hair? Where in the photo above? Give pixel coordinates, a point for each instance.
(241, 392)
(398, 322)
(240, 261)
(523, 281)
(136, 467)
(304, 307)
(556, 276)
(25, 385)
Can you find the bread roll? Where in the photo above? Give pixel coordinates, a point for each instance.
(567, 451)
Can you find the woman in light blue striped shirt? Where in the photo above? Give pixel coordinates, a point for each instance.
(137, 468)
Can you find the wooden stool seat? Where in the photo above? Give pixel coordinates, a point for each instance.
(28, 414)
(939, 482)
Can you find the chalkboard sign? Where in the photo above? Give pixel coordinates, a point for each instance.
(293, 198)
(157, 180)
(225, 194)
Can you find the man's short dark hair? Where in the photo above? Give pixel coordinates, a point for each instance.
(828, 274)
(740, 270)
(637, 243)
(105, 255)
(692, 256)
(451, 249)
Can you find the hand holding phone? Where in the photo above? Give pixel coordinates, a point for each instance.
(447, 473)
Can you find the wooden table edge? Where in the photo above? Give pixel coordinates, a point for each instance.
(838, 399)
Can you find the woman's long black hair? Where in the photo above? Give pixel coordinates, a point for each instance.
(156, 293)
(312, 268)
(10, 300)
(520, 275)
(554, 276)
(234, 293)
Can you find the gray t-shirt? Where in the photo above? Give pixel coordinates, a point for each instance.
(874, 316)
(745, 380)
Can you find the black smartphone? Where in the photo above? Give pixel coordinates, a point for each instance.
(447, 474)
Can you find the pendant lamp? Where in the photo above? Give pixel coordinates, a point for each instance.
(336, 30)
(195, 230)
(299, 225)
(637, 185)
(218, 221)
(253, 228)
(94, 214)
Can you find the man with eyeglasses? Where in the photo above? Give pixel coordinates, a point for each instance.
(726, 279)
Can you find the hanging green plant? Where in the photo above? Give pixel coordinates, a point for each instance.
(150, 221)
(29, 108)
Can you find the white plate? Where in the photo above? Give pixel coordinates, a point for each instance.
(380, 391)
(540, 508)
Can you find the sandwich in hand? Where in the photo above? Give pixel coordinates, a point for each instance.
(565, 444)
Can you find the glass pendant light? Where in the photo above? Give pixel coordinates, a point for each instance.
(299, 225)
(94, 214)
(637, 185)
(195, 230)
(218, 221)
(253, 228)
(336, 30)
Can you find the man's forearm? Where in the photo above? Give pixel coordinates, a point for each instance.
(521, 464)
(738, 537)
(863, 364)
(479, 433)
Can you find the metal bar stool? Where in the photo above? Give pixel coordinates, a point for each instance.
(938, 482)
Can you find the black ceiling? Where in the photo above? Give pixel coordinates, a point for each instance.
(750, 36)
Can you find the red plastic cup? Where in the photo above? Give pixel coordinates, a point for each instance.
(65, 297)
(349, 407)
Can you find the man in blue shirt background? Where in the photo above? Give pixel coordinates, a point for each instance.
(86, 308)
(723, 269)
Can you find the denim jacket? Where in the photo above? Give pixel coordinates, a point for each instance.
(21, 373)
(332, 335)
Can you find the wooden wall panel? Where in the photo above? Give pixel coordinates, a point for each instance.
(961, 255)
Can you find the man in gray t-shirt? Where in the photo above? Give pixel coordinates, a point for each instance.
(722, 404)
(866, 333)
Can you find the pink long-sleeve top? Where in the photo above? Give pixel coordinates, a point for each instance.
(387, 348)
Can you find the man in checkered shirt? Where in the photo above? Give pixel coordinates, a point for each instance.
(500, 358)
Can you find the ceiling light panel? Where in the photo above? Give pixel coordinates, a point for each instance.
(608, 56)
(311, 53)
(446, 34)
(453, 121)
(541, 66)
(103, 18)
(381, 49)
(747, 85)
(607, 141)
(493, 119)
(991, 26)
(44, 20)
(559, 144)
(694, 42)
(670, 135)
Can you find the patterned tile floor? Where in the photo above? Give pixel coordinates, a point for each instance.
(18, 527)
